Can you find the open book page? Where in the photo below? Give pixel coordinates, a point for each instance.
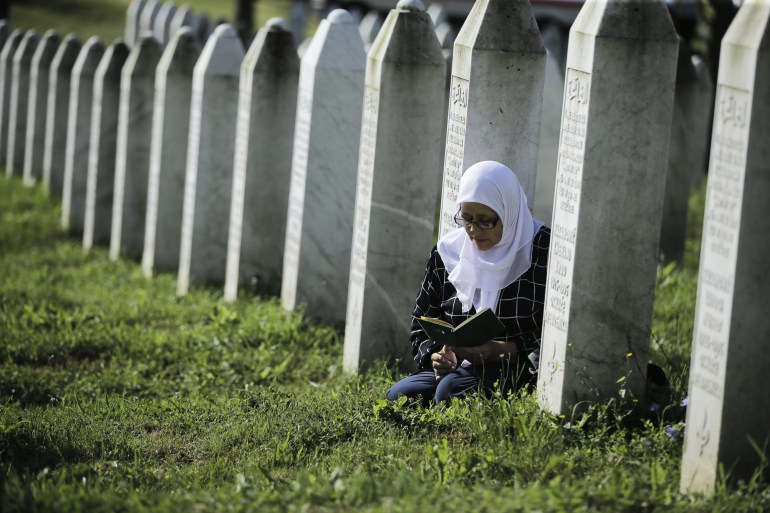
(474, 331)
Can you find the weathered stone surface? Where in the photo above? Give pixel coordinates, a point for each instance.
(618, 99)
(495, 97)
(163, 21)
(132, 162)
(55, 144)
(182, 18)
(397, 185)
(686, 154)
(17, 115)
(319, 228)
(168, 153)
(36, 109)
(133, 21)
(101, 149)
(79, 134)
(267, 106)
(208, 178)
(6, 76)
(548, 150)
(148, 17)
(728, 416)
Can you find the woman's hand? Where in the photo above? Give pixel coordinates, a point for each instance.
(444, 362)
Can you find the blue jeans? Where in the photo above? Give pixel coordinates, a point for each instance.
(422, 384)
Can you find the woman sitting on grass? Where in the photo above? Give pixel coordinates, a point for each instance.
(496, 258)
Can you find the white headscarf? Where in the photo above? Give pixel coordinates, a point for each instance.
(479, 276)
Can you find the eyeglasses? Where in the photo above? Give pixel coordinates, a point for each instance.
(479, 225)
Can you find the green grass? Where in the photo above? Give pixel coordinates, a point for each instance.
(117, 396)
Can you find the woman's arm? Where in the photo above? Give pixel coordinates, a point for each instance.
(427, 304)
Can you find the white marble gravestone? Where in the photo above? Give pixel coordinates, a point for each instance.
(398, 184)
(6, 76)
(319, 226)
(5, 32)
(183, 17)
(267, 106)
(133, 22)
(686, 154)
(163, 21)
(495, 97)
(79, 134)
(36, 110)
(17, 115)
(210, 150)
(370, 26)
(553, 92)
(728, 416)
(132, 160)
(147, 18)
(57, 107)
(616, 118)
(102, 145)
(168, 152)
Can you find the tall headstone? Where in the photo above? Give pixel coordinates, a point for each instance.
(553, 92)
(6, 79)
(102, 146)
(183, 17)
(686, 154)
(495, 97)
(163, 23)
(17, 115)
(728, 416)
(398, 184)
(5, 32)
(79, 134)
(132, 163)
(616, 118)
(210, 150)
(148, 17)
(316, 259)
(57, 107)
(133, 21)
(170, 128)
(36, 110)
(267, 106)
(370, 26)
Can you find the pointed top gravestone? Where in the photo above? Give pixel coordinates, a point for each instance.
(132, 161)
(208, 180)
(6, 76)
(163, 20)
(267, 106)
(101, 149)
(5, 32)
(727, 429)
(133, 21)
(616, 118)
(182, 18)
(323, 170)
(57, 107)
(37, 108)
(168, 153)
(397, 185)
(148, 17)
(495, 98)
(17, 115)
(79, 134)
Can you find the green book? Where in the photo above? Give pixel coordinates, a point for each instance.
(477, 329)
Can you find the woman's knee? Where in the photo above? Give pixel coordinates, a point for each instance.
(419, 384)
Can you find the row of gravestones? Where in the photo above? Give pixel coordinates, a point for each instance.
(229, 167)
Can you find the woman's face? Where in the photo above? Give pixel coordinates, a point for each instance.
(474, 213)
